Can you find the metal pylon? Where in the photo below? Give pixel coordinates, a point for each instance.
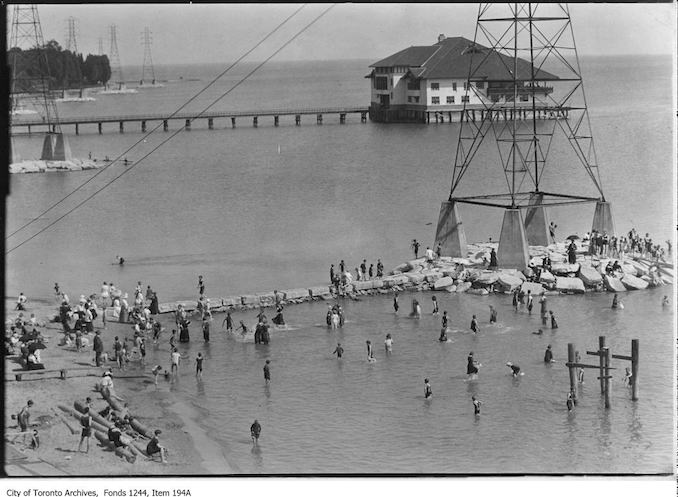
(72, 43)
(30, 69)
(147, 68)
(114, 57)
(539, 91)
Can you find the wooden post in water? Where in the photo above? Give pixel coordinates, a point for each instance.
(601, 346)
(76, 129)
(634, 368)
(606, 356)
(122, 126)
(573, 370)
(255, 121)
(233, 122)
(297, 120)
(188, 125)
(100, 128)
(165, 125)
(210, 123)
(276, 120)
(143, 126)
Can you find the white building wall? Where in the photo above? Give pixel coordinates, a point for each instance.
(447, 88)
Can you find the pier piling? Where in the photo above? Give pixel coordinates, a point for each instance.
(100, 128)
(571, 355)
(342, 118)
(210, 123)
(122, 126)
(187, 125)
(276, 120)
(297, 119)
(165, 125)
(255, 121)
(233, 122)
(319, 119)
(143, 126)
(77, 131)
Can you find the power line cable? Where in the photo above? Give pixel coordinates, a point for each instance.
(102, 170)
(106, 185)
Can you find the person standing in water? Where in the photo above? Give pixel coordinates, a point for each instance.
(515, 369)
(395, 302)
(530, 302)
(198, 366)
(493, 314)
(435, 305)
(427, 389)
(474, 324)
(580, 371)
(615, 301)
(388, 343)
(255, 431)
(370, 352)
(229, 321)
(476, 405)
(515, 300)
(267, 372)
(554, 323)
(472, 365)
(548, 355)
(339, 351)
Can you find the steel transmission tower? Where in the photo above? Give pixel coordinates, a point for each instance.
(147, 68)
(114, 58)
(31, 78)
(101, 46)
(72, 43)
(535, 92)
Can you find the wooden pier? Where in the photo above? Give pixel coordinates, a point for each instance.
(188, 118)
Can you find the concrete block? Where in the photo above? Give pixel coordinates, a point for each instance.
(508, 281)
(478, 291)
(546, 277)
(512, 252)
(486, 278)
(613, 284)
(629, 269)
(451, 289)
(189, 305)
(361, 285)
(415, 277)
(562, 268)
(443, 283)
(267, 298)
(463, 286)
(230, 301)
(296, 293)
(377, 284)
(570, 285)
(590, 276)
(432, 276)
(450, 231)
(320, 291)
(634, 283)
(163, 308)
(535, 288)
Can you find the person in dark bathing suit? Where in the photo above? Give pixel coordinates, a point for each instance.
(471, 367)
(493, 314)
(339, 351)
(198, 365)
(427, 389)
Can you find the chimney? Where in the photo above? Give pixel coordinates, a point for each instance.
(441, 37)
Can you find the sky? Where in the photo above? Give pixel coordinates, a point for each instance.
(199, 33)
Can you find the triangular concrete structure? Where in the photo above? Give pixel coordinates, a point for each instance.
(450, 232)
(48, 147)
(602, 219)
(537, 222)
(513, 249)
(62, 150)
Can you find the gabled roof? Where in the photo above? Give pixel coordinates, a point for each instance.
(451, 58)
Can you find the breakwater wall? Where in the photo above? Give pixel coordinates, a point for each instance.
(468, 275)
(47, 166)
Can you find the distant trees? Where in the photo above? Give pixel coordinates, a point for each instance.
(66, 69)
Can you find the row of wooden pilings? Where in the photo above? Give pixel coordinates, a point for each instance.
(496, 115)
(210, 123)
(604, 356)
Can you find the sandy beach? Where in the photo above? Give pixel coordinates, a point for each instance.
(155, 407)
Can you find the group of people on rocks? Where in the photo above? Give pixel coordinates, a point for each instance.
(343, 277)
(633, 244)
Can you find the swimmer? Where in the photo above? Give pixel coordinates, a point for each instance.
(493, 314)
(474, 324)
(427, 389)
(267, 372)
(443, 335)
(570, 402)
(665, 301)
(388, 343)
(471, 366)
(244, 328)
(228, 320)
(515, 369)
(255, 431)
(198, 365)
(476, 405)
(121, 261)
(339, 351)
(539, 332)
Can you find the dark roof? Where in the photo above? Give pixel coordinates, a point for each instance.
(451, 58)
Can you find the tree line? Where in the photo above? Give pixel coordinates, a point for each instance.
(66, 69)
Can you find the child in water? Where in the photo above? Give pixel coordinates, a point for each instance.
(476, 406)
(427, 389)
(388, 343)
(515, 369)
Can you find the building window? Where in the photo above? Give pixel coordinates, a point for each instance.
(435, 86)
(416, 100)
(413, 84)
(465, 86)
(435, 100)
(454, 86)
(409, 99)
(524, 98)
(464, 98)
(450, 99)
(381, 83)
(480, 85)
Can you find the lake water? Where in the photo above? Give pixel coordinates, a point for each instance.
(257, 209)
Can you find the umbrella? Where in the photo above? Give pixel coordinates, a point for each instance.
(572, 237)
(33, 346)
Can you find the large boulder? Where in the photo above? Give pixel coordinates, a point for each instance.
(590, 276)
(509, 281)
(267, 298)
(230, 301)
(250, 300)
(633, 282)
(378, 283)
(569, 285)
(478, 291)
(361, 285)
(463, 286)
(163, 308)
(546, 277)
(451, 289)
(486, 278)
(613, 284)
(629, 269)
(443, 283)
(431, 276)
(189, 305)
(534, 288)
(415, 277)
(562, 268)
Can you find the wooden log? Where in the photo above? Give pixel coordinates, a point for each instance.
(80, 407)
(635, 358)
(601, 346)
(120, 451)
(606, 379)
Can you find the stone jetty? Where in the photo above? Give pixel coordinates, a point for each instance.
(471, 275)
(46, 166)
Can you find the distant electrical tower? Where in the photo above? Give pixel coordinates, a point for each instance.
(114, 57)
(524, 71)
(31, 78)
(72, 43)
(147, 68)
(101, 46)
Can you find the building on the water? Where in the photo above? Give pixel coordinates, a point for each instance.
(420, 81)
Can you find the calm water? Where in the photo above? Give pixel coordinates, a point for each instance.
(257, 209)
